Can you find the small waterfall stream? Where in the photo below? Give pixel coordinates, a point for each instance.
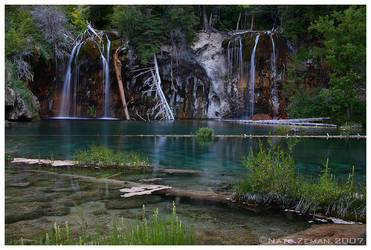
(275, 101)
(252, 79)
(105, 62)
(64, 109)
(70, 93)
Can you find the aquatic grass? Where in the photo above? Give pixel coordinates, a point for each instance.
(105, 157)
(273, 179)
(158, 231)
(205, 136)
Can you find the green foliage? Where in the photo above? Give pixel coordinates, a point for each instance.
(344, 53)
(19, 87)
(100, 15)
(8, 157)
(205, 135)
(272, 174)
(77, 16)
(91, 110)
(18, 26)
(158, 231)
(283, 129)
(105, 157)
(148, 27)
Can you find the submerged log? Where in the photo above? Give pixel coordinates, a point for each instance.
(159, 189)
(142, 190)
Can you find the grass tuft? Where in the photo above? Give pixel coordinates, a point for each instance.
(273, 179)
(105, 157)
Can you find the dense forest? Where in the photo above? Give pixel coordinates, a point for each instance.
(332, 39)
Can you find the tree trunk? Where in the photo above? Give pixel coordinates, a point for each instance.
(117, 66)
(252, 23)
(204, 18)
(238, 22)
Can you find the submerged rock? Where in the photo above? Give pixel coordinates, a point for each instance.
(25, 211)
(133, 202)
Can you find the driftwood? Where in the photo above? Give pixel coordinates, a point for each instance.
(117, 66)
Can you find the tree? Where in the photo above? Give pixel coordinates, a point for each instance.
(344, 53)
(52, 23)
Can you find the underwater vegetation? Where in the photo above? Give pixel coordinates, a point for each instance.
(157, 231)
(105, 157)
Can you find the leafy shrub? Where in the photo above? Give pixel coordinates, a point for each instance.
(205, 136)
(205, 133)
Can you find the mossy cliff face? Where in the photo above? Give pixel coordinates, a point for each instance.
(237, 82)
(20, 102)
(49, 79)
(202, 80)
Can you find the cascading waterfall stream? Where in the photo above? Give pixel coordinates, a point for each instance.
(72, 77)
(252, 79)
(76, 79)
(105, 62)
(275, 100)
(64, 109)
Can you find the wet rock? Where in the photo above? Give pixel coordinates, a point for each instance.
(55, 209)
(133, 202)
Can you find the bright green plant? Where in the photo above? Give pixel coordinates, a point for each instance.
(205, 136)
(105, 157)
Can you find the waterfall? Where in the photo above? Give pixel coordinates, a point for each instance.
(64, 109)
(252, 79)
(105, 62)
(275, 101)
(241, 60)
(76, 79)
